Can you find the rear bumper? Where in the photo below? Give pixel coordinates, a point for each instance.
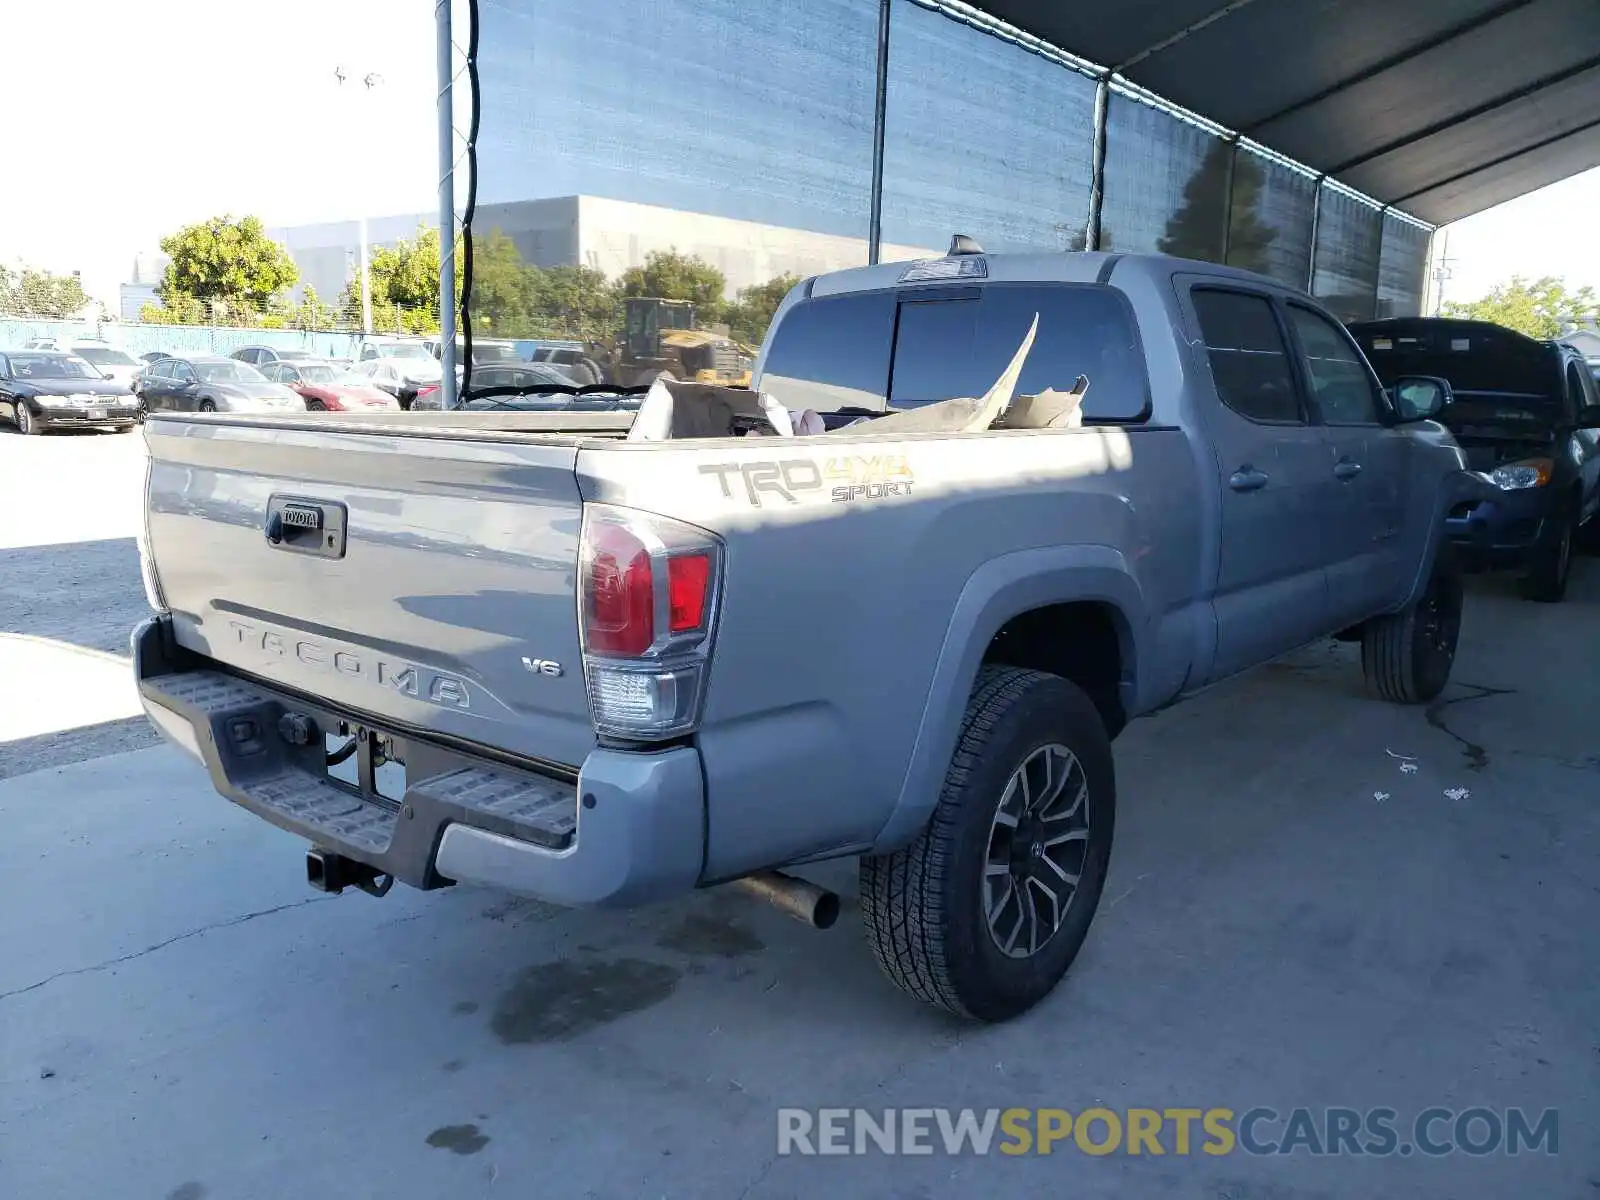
(1500, 534)
(630, 830)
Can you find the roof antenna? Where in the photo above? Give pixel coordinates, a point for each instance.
(962, 244)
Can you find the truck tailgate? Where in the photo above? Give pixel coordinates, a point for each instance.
(427, 578)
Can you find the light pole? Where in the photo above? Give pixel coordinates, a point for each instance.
(369, 81)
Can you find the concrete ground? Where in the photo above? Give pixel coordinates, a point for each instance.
(1316, 900)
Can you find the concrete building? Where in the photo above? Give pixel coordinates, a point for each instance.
(139, 288)
(328, 254)
(609, 235)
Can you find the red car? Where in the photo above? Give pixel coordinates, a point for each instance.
(326, 387)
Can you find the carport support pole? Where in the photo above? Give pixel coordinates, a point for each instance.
(1377, 284)
(1227, 195)
(880, 110)
(1316, 219)
(444, 47)
(1097, 162)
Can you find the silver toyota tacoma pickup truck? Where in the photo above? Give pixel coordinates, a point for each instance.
(525, 651)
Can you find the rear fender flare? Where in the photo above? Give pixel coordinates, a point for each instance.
(998, 590)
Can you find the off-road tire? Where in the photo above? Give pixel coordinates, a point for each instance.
(1407, 656)
(1551, 564)
(923, 906)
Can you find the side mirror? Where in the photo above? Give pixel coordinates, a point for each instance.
(1420, 397)
(1588, 417)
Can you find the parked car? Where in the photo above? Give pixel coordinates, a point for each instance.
(260, 355)
(398, 377)
(522, 375)
(485, 350)
(577, 364)
(1525, 412)
(210, 383)
(50, 389)
(648, 666)
(326, 387)
(110, 361)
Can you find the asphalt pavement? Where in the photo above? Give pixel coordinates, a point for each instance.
(1316, 900)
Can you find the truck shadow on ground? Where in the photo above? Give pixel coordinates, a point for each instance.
(87, 594)
(77, 597)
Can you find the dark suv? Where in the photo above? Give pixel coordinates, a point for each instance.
(1527, 415)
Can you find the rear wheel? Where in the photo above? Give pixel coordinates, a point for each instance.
(1546, 581)
(207, 406)
(316, 406)
(984, 912)
(1407, 656)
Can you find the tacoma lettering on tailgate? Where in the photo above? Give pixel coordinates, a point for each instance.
(406, 678)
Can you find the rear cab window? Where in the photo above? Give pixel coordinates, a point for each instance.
(919, 346)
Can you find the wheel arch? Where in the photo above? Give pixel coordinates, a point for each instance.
(1454, 489)
(1022, 593)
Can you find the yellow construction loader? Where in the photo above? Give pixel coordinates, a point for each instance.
(659, 338)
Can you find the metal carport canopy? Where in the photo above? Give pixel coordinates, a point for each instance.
(1441, 108)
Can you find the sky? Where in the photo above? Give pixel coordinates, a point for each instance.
(1549, 232)
(176, 110)
(190, 108)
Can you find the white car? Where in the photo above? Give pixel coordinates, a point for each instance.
(410, 358)
(393, 375)
(111, 361)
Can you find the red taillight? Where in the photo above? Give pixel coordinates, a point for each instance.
(688, 590)
(648, 614)
(619, 593)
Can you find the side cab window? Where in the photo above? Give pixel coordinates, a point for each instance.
(1248, 355)
(1338, 376)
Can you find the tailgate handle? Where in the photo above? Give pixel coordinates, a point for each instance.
(306, 526)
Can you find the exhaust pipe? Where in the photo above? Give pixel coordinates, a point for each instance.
(332, 873)
(805, 902)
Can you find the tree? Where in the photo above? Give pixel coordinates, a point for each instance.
(573, 302)
(182, 310)
(749, 315)
(232, 268)
(312, 313)
(403, 283)
(36, 293)
(1541, 309)
(674, 276)
(1213, 206)
(406, 274)
(501, 286)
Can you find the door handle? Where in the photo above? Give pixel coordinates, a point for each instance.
(1346, 469)
(1247, 479)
